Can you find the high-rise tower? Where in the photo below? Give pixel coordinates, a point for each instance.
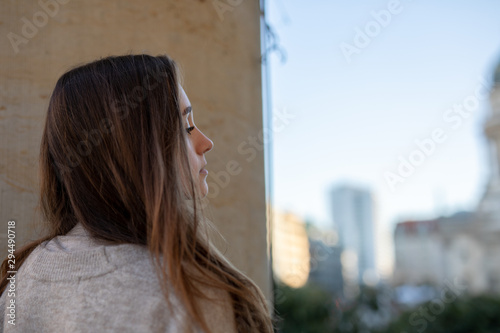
(353, 218)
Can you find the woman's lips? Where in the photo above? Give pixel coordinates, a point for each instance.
(204, 171)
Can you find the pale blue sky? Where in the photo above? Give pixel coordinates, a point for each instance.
(354, 119)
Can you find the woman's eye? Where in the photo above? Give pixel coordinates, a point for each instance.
(190, 129)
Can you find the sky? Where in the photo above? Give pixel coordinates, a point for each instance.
(366, 85)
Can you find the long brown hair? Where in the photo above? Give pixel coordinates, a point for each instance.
(113, 157)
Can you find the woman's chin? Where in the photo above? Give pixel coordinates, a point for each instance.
(203, 189)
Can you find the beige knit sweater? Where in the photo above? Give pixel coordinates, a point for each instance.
(74, 283)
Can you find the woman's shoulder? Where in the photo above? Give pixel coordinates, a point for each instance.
(113, 286)
(78, 256)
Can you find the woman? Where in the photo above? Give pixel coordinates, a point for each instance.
(121, 175)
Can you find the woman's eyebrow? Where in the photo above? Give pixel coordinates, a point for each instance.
(187, 110)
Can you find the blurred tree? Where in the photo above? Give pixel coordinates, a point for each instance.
(304, 310)
(480, 314)
(312, 310)
(370, 309)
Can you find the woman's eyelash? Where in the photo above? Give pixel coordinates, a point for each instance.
(190, 129)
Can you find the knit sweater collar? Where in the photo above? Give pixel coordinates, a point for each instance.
(77, 255)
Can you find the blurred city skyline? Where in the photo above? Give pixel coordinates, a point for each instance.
(369, 84)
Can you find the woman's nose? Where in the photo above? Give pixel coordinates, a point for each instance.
(206, 144)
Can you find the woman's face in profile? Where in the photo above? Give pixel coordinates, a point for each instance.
(198, 145)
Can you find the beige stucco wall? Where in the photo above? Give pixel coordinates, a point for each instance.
(219, 53)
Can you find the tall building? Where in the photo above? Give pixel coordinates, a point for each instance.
(326, 270)
(305, 254)
(434, 251)
(443, 250)
(290, 249)
(487, 229)
(489, 207)
(353, 219)
(418, 253)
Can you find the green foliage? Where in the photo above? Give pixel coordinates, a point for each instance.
(480, 314)
(312, 310)
(362, 313)
(304, 310)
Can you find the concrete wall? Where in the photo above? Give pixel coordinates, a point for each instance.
(218, 48)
